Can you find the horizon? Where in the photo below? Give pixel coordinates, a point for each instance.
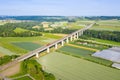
(60, 16)
(59, 8)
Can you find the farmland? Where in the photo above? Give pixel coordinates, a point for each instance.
(13, 44)
(20, 30)
(27, 45)
(5, 51)
(26, 78)
(101, 41)
(66, 67)
(72, 61)
(109, 25)
(84, 54)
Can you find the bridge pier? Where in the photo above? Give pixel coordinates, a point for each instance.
(62, 43)
(71, 38)
(74, 36)
(48, 50)
(56, 46)
(77, 35)
(80, 33)
(67, 40)
(37, 55)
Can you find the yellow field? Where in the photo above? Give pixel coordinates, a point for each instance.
(86, 48)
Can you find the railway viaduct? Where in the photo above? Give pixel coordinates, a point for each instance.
(73, 36)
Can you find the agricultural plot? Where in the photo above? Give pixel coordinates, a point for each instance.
(104, 41)
(27, 45)
(109, 22)
(107, 28)
(20, 30)
(94, 46)
(6, 42)
(5, 51)
(50, 35)
(66, 67)
(111, 25)
(83, 53)
(85, 22)
(24, 78)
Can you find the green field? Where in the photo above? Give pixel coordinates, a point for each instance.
(24, 78)
(107, 42)
(66, 67)
(27, 45)
(85, 54)
(109, 22)
(101, 41)
(109, 25)
(106, 27)
(6, 42)
(5, 51)
(20, 30)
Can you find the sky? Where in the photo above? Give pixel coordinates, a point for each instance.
(60, 7)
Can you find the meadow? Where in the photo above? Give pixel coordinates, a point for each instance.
(66, 67)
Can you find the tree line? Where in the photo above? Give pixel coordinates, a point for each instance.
(61, 30)
(7, 30)
(106, 35)
(5, 59)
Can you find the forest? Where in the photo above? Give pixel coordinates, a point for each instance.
(7, 30)
(106, 35)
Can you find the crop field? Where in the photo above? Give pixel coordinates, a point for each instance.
(5, 51)
(76, 26)
(109, 22)
(84, 54)
(108, 28)
(19, 30)
(111, 25)
(79, 24)
(6, 42)
(103, 41)
(108, 42)
(24, 78)
(85, 22)
(27, 45)
(66, 67)
(50, 35)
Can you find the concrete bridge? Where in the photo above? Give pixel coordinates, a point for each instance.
(73, 36)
